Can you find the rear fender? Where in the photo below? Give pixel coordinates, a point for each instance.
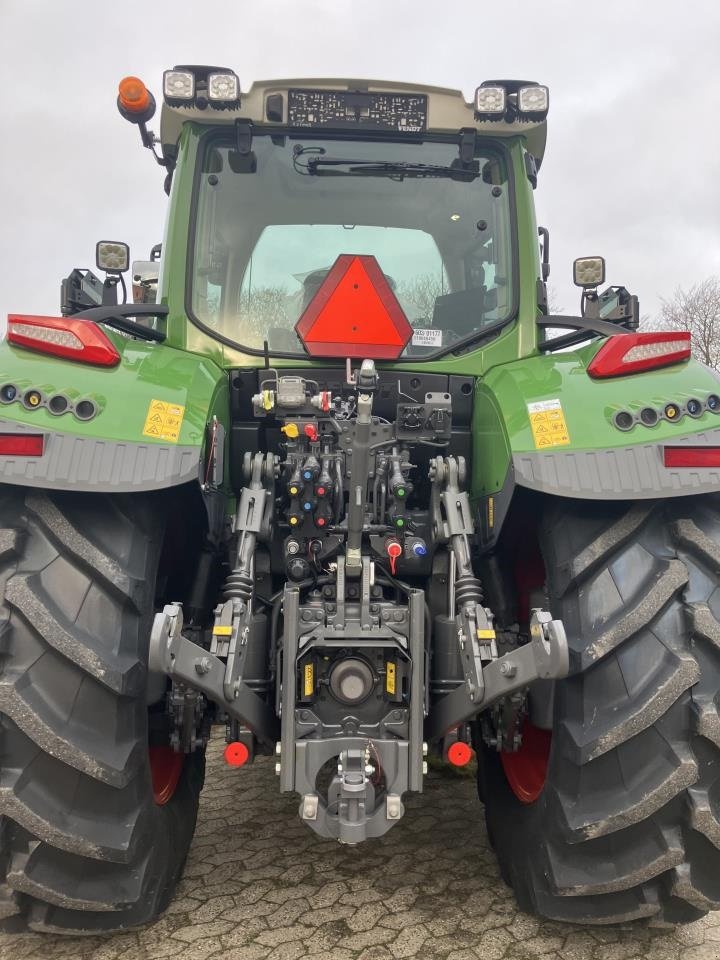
(542, 423)
(150, 426)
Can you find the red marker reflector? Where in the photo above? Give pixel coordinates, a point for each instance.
(636, 352)
(64, 337)
(21, 444)
(354, 314)
(691, 456)
(236, 754)
(460, 754)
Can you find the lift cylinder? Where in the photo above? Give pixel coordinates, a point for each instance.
(446, 670)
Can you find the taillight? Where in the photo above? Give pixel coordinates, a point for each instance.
(65, 337)
(691, 456)
(635, 352)
(21, 444)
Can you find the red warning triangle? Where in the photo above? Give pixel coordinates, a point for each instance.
(354, 314)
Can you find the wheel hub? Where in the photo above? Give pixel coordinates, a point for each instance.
(165, 769)
(526, 769)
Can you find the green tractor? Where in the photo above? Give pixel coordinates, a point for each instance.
(337, 480)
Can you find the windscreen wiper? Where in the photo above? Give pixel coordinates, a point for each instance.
(339, 167)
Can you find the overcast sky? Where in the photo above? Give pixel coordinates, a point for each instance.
(632, 168)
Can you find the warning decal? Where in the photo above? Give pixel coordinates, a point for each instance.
(163, 421)
(547, 422)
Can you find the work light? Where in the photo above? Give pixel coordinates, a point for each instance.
(533, 102)
(222, 88)
(178, 87)
(589, 272)
(112, 257)
(490, 102)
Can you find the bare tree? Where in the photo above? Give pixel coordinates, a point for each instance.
(418, 297)
(554, 308)
(696, 310)
(262, 308)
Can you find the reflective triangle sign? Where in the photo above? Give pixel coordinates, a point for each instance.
(354, 314)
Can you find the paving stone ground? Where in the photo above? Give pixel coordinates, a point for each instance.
(259, 885)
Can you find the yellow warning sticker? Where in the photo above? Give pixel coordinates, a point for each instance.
(547, 422)
(163, 420)
(308, 680)
(390, 677)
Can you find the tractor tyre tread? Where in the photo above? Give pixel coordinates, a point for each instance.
(628, 824)
(83, 846)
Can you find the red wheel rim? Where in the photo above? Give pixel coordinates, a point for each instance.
(165, 768)
(526, 768)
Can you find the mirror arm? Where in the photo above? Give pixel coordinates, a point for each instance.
(584, 327)
(109, 290)
(544, 233)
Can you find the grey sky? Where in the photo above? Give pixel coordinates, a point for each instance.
(631, 169)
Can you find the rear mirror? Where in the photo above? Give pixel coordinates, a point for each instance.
(589, 272)
(112, 256)
(145, 280)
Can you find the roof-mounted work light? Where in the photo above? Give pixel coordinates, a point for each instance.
(178, 87)
(223, 89)
(490, 102)
(511, 99)
(533, 102)
(201, 86)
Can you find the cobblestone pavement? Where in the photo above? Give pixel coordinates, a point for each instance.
(261, 886)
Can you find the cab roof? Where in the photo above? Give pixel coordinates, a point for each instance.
(265, 104)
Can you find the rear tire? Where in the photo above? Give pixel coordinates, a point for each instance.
(84, 847)
(627, 825)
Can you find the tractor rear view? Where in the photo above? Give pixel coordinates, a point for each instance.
(331, 482)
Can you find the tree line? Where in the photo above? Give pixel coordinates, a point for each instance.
(696, 309)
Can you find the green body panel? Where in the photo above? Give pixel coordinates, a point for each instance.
(501, 424)
(123, 393)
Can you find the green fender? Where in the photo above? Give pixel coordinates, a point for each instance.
(150, 426)
(544, 424)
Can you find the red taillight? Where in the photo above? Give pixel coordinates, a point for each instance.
(635, 352)
(691, 456)
(64, 337)
(21, 444)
